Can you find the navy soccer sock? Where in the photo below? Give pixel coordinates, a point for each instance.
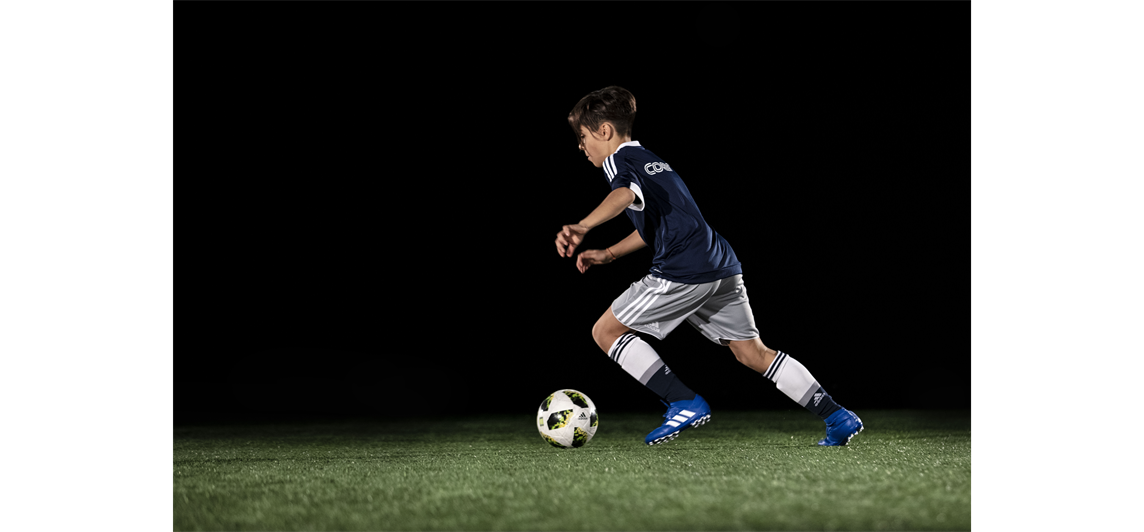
(668, 386)
(793, 379)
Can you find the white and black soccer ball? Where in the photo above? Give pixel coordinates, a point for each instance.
(567, 419)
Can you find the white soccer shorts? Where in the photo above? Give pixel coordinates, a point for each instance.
(719, 309)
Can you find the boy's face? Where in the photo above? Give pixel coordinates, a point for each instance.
(594, 146)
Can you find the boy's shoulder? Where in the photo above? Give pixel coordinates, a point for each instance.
(633, 156)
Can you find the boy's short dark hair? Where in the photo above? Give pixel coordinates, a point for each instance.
(609, 104)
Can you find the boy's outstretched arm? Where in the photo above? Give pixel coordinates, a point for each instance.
(571, 235)
(588, 257)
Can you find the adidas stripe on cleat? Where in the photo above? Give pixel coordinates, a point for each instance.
(680, 415)
(841, 427)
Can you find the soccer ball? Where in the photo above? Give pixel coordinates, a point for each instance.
(567, 419)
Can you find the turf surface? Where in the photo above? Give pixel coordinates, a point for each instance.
(909, 470)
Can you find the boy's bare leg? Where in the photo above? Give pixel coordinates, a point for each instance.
(788, 374)
(753, 354)
(638, 359)
(607, 329)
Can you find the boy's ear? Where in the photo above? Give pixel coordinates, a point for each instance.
(607, 130)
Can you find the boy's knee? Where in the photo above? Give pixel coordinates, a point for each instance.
(598, 335)
(604, 332)
(753, 354)
(747, 356)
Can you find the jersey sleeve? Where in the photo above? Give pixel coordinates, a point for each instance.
(623, 175)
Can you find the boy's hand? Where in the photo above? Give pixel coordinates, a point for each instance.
(589, 257)
(568, 238)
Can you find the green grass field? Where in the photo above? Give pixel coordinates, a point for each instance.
(909, 470)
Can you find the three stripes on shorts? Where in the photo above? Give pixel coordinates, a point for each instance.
(636, 308)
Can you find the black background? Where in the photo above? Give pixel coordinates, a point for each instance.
(369, 194)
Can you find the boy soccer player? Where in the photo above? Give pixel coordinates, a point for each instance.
(694, 277)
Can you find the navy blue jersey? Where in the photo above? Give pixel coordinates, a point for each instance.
(687, 250)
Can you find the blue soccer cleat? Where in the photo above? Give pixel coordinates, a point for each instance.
(840, 427)
(680, 415)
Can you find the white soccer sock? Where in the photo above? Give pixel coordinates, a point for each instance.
(636, 357)
(792, 379)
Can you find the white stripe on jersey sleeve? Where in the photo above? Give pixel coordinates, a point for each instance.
(610, 163)
(639, 194)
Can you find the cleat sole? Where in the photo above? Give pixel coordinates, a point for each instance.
(673, 435)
